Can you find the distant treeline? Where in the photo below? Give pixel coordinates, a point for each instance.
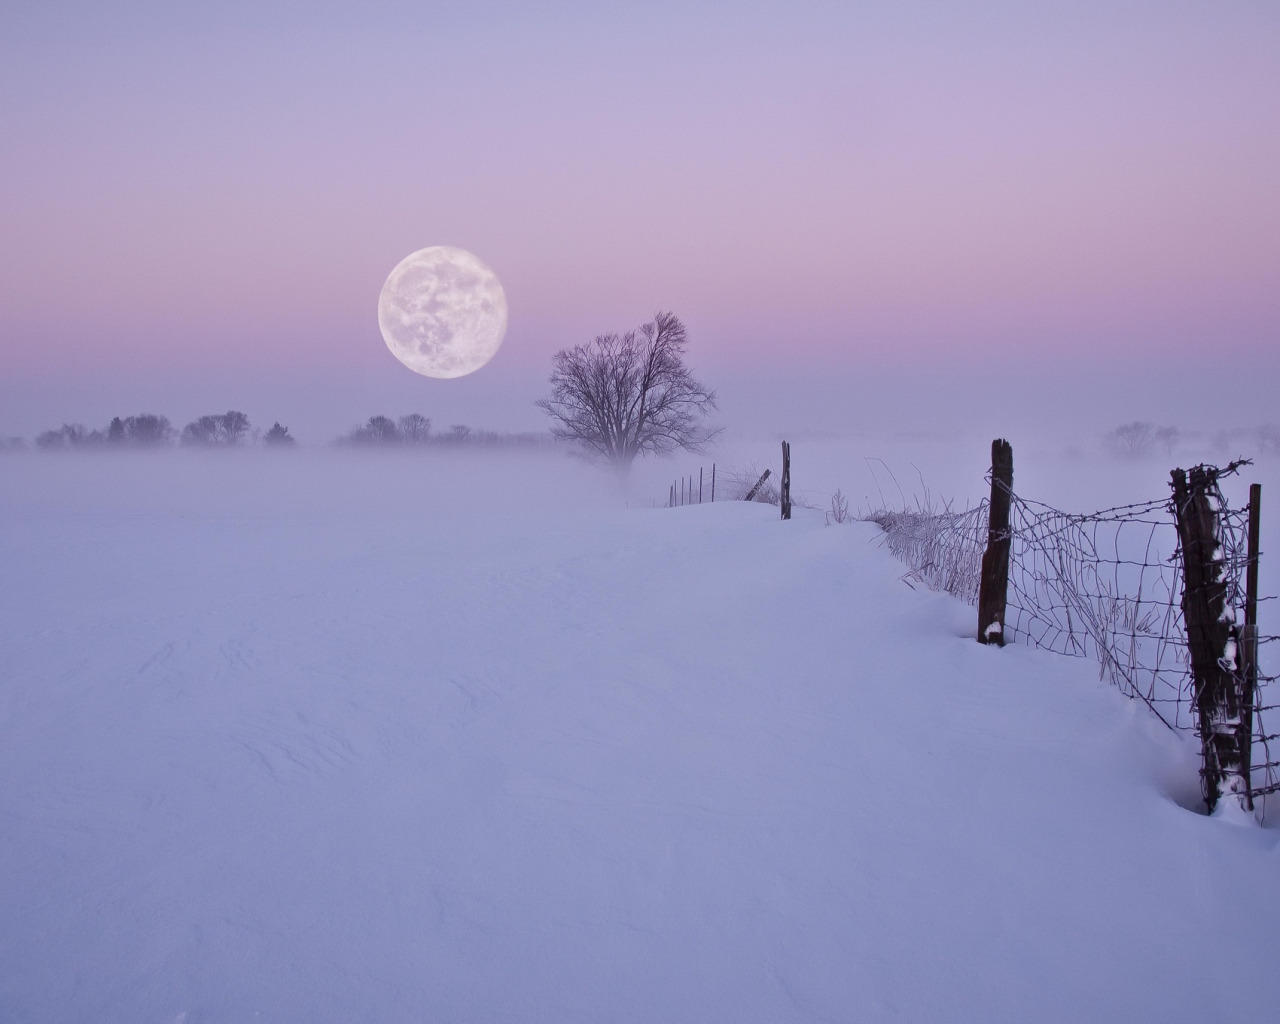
(147, 430)
(414, 430)
(1141, 440)
(233, 429)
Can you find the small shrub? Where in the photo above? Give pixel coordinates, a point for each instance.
(839, 510)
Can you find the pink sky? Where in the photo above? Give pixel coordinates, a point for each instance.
(191, 197)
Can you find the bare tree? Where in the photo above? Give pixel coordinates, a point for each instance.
(232, 426)
(228, 428)
(630, 394)
(147, 430)
(1131, 440)
(380, 430)
(414, 428)
(77, 435)
(201, 431)
(69, 435)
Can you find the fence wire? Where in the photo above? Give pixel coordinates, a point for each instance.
(1104, 586)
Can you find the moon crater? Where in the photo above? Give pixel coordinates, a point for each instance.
(443, 312)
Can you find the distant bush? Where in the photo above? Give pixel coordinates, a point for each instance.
(278, 436)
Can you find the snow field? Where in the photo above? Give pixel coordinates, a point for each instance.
(334, 737)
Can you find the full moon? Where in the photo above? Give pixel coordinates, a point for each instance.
(442, 312)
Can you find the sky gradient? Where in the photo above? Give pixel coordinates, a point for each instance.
(199, 203)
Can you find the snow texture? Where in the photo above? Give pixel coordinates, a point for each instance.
(341, 737)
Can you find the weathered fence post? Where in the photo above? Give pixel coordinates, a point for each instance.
(699, 485)
(1217, 683)
(993, 589)
(713, 483)
(757, 485)
(786, 479)
(1249, 639)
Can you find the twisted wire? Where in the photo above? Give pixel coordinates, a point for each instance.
(1103, 585)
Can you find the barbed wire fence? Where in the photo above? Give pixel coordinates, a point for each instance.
(1108, 586)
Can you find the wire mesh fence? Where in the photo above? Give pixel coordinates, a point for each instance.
(1105, 586)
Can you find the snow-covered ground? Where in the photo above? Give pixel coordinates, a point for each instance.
(316, 736)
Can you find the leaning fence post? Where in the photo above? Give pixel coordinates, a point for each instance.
(786, 480)
(993, 589)
(757, 485)
(1217, 687)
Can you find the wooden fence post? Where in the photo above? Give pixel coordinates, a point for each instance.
(699, 485)
(786, 479)
(1248, 659)
(757, 485)
(1217, 686)
(713, 483)
(994, 587)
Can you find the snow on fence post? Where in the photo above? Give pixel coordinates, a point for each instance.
(1213, 640)
(993, 588)
(786, 480)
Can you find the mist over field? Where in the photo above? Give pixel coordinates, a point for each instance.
(335, 734)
